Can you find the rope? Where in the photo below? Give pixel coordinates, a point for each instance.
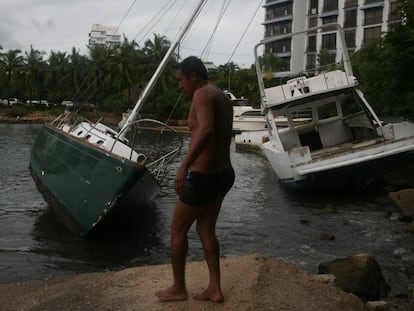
(245, 31)
(209, 44)
(170, 3)
(126, 14)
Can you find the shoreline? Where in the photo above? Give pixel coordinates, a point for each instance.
(41, 117)
(249, 282)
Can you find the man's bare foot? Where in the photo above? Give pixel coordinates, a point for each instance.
(172, 294)
(211, 295)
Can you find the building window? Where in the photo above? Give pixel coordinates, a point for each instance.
(351, 3)
(310, 61)
(372, 33)
(280, 46)
(329, 41)
(350, 38)
(313, 22)
(329, 20)
(313, 7)
(330, 5)
(278, 29)
(279, 11)
(350, 19)
(373, 16)
(312, 44)
(395, 12)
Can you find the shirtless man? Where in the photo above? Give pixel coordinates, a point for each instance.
(203, 179)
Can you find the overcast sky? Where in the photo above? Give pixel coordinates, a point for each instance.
(59, 25)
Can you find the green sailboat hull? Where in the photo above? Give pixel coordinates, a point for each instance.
(84, 183)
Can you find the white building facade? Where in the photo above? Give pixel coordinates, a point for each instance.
(362, 21)
(104, 35)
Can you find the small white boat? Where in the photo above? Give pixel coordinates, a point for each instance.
(343, 143)
(245, 116)
(250, 120)
(250, 136)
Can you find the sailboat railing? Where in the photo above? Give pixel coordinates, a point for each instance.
(346, 62)
(159, 165)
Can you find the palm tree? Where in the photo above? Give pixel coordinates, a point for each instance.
(10, 62)
(34, 67)
(156, 50)
(102, 69)
(57, 77)
(125, 59)
(78, 69)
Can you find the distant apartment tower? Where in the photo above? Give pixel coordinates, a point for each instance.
(362, 20)
(104, 35)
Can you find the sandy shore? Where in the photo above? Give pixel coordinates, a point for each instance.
(250, 282)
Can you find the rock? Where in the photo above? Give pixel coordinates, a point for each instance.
(404, 200)
(410, 227)
(359, 274)
(377, 306)
(324, 278)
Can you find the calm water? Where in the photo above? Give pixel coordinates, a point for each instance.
(257, 217)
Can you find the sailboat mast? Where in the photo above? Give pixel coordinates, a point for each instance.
(148, 88)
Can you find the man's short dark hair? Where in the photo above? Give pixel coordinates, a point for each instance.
(193, 64)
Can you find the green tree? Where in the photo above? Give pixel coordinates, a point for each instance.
(125, 59)
(384, 67)
(57, 77)
(271, 63)
(34, 67)
(326, 60)
(10, 63)
(156, 50)
(78, 69)
(101, 71)
(224, 75)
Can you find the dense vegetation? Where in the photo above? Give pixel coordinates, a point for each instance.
(112, 78)
(385, 68)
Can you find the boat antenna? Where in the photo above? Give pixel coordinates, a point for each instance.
(148, 88)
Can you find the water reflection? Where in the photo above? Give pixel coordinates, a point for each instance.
(115, 243)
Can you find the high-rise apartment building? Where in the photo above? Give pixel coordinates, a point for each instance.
(362, 20)
(104, 35)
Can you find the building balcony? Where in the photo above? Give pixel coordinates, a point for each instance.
(273, 2)
(377, 4)
(282, 54)
(278, 19)
(373, 1)
(329, 13)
